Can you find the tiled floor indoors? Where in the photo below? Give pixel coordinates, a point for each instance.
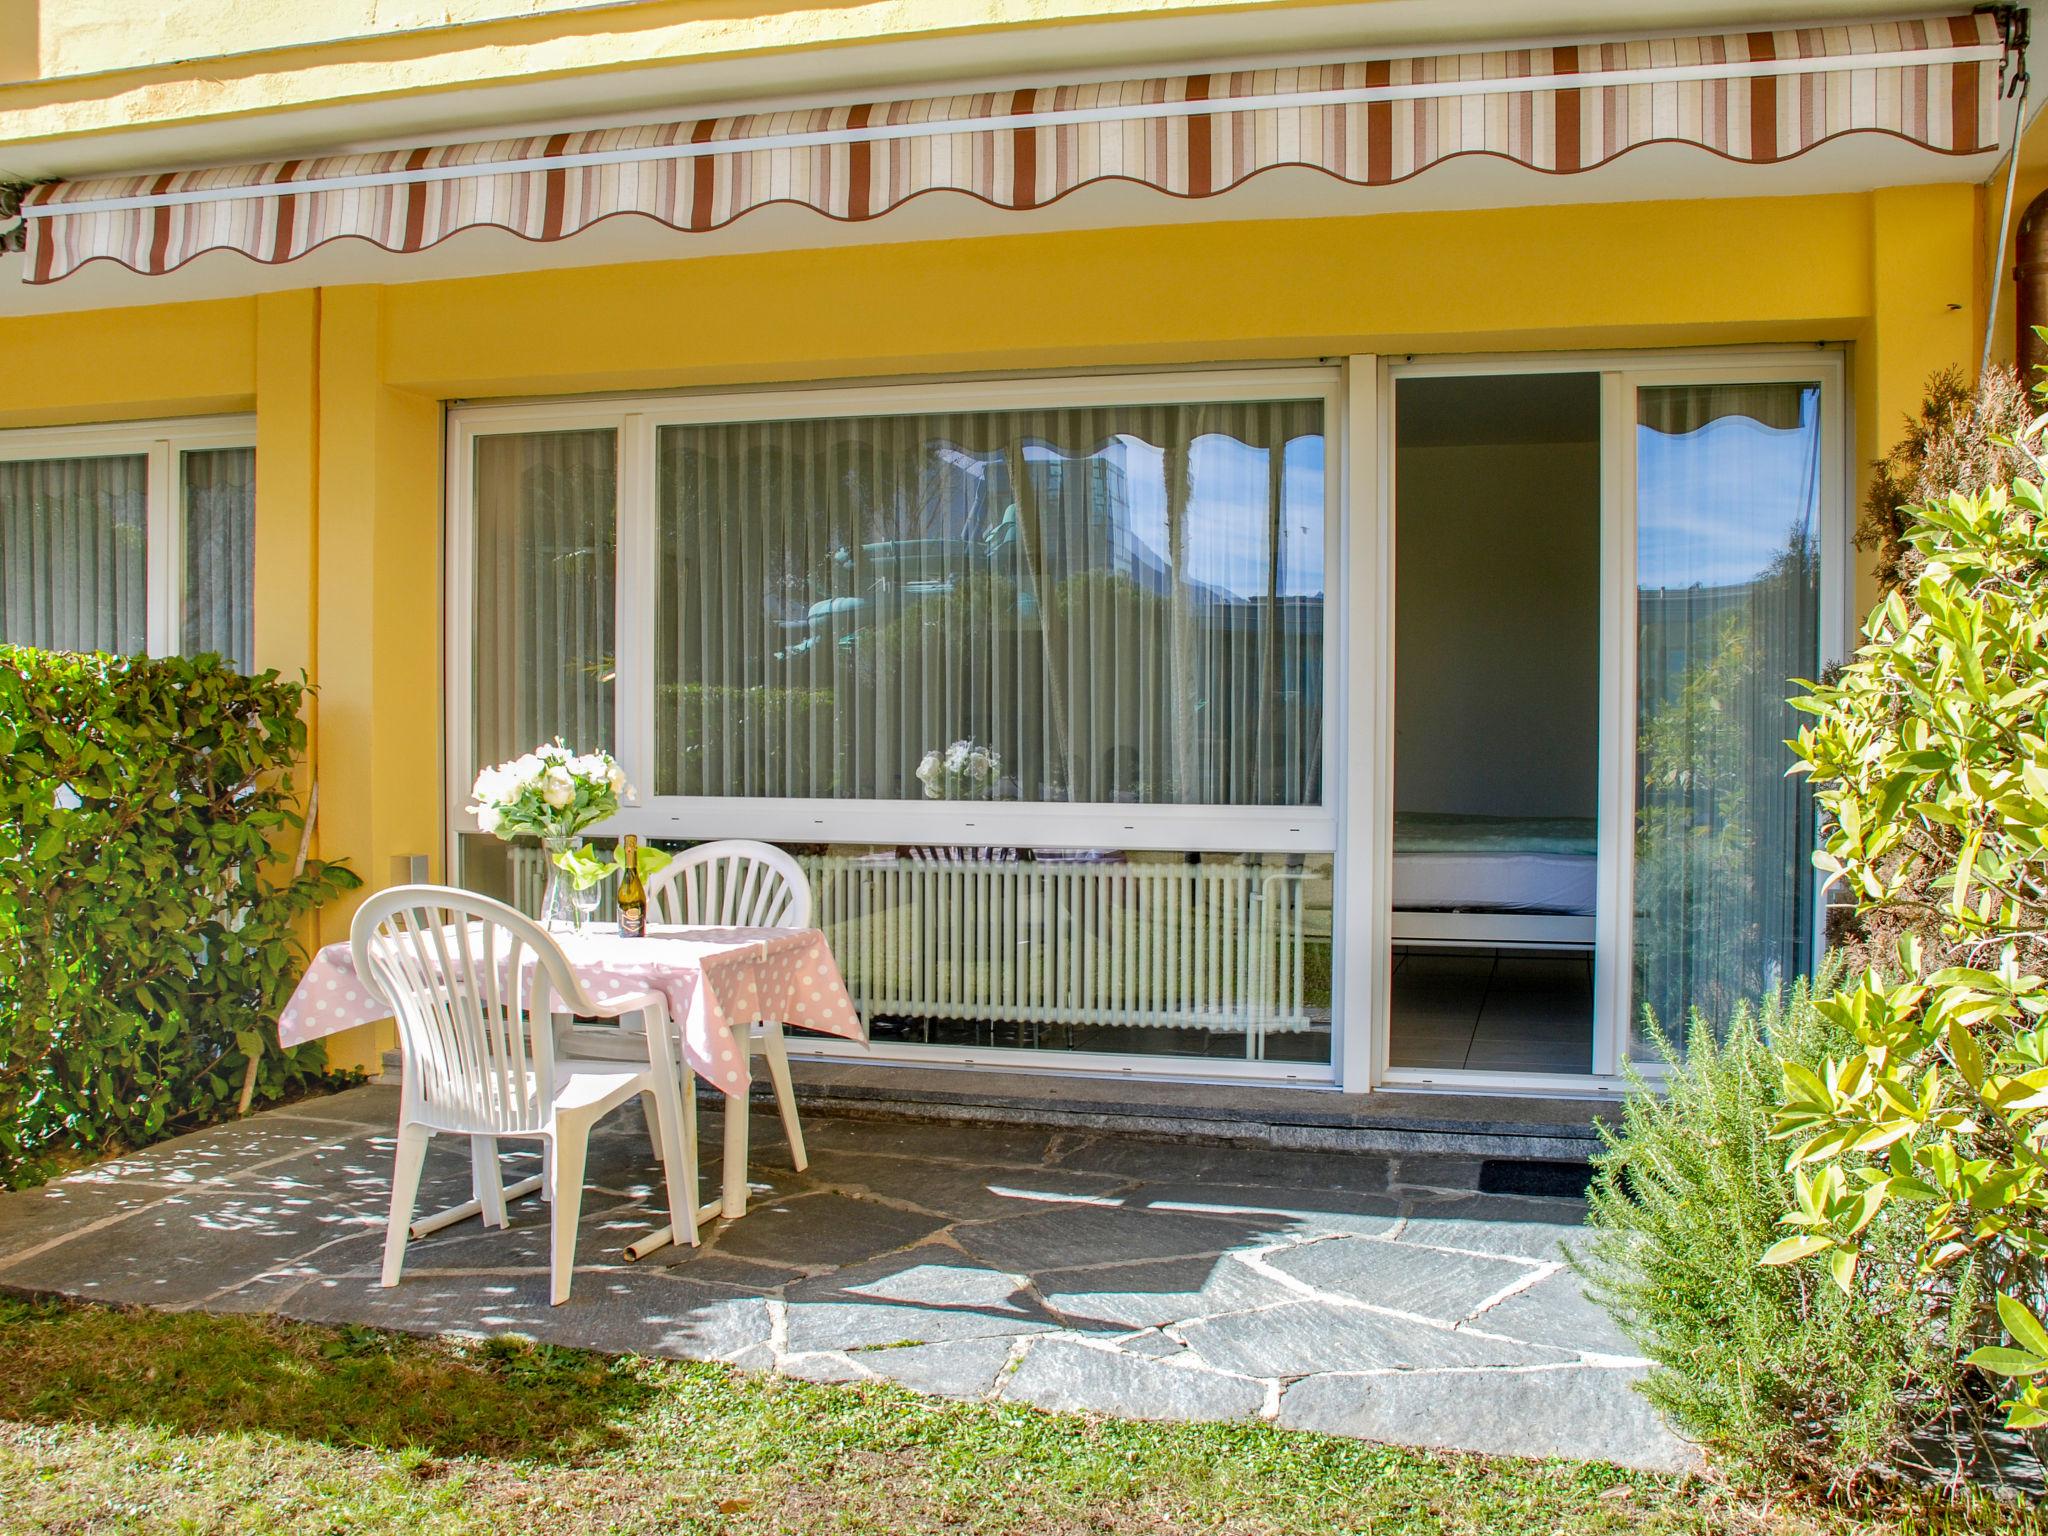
(1352, 1293)
(1488, 1011)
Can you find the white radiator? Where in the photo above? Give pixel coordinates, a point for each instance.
(987, 936)
(981, 934)
(529, 879)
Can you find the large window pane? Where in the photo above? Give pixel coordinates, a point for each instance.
(546, 546)
(219, 487)
(1121, 605)
(73, 552)
(1727, 613)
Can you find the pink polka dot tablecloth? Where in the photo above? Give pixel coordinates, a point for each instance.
(713, 979)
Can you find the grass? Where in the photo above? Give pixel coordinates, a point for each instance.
(141, 1421)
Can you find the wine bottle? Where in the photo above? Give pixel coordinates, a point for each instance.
(632, 890)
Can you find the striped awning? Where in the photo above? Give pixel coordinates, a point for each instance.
(1756, 97)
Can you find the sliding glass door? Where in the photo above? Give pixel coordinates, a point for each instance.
(1728, 486)
(1496, 721)
(1607, 576)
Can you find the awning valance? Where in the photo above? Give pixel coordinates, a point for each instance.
(1758, 97)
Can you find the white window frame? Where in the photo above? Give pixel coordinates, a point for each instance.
(1369, 964)
(638, 419)
(162, 443)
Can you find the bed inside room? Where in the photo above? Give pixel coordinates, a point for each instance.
(1497, 666)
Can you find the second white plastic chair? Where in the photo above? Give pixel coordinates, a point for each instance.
(740, 884)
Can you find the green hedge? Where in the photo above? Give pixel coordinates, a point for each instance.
(147, 906)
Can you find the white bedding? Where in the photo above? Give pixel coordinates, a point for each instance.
(1496, 882)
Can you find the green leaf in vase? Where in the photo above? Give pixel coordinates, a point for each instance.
(583, 867)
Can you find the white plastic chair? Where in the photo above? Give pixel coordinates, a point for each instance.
(473, 984)
(741, 884)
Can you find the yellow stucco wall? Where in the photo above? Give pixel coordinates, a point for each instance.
(76, 37)
(1641, 274)
(71, 67)
(348, 384)
(123, 364)
(1928, 290)
(20, 39)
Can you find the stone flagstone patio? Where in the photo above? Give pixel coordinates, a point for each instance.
(1344, 1292)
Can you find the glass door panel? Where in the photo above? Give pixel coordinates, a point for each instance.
(1728, 495)
(1497, 506)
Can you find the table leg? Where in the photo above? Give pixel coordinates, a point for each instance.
(676, 1150)
(733, 1199)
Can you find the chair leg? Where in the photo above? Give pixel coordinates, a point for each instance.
(405, 1189)
(488, 1176)
(675, 1123)
(775, 1051)
(571, 1143)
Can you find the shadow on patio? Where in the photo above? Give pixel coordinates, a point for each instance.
(1347, 1292)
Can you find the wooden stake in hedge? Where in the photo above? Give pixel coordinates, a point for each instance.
(298, 869)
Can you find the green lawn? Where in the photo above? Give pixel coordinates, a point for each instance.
(138, 1421)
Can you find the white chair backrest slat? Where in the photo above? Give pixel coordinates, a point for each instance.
(731, 884)
(472, 983)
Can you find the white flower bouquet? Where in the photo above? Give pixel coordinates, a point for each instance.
(963, 771)
(550, 793)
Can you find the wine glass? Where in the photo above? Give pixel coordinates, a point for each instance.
(583, 903)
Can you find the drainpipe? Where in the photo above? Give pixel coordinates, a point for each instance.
(2015, 33)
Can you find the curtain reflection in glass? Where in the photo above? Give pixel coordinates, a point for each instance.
(73, 553)
(1727, 614)
(546, 545)
(220, 554)
(1123, 604)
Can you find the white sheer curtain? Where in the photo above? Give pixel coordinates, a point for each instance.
(74, 552)
(546, 554)
(1124, 604)
(219, 486)
(1727, 613)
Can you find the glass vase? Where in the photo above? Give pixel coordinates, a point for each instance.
(557, 904)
